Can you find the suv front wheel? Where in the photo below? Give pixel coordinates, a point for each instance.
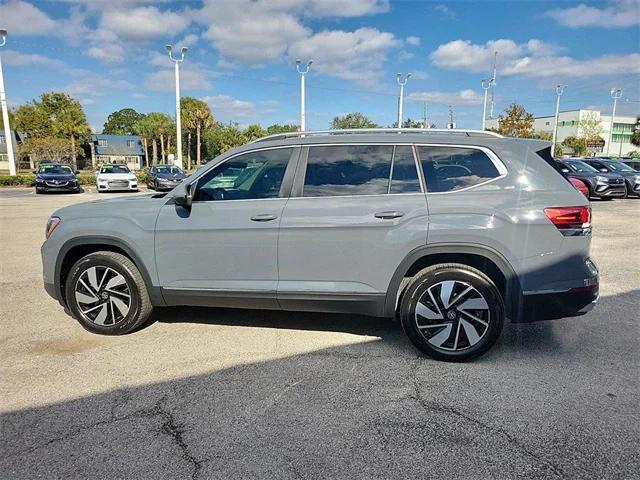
(107, 294)
(452, 312)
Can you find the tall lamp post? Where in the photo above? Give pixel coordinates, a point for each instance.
(486, 85)
(559, 92)
(303, 73)
(402, 83)
(616, 93)
(5, 112)
(177, 61)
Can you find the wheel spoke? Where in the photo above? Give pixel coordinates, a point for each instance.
(120, 305)
(118, 293)
(455, 342)
(445, 292)
(426, 312)
(461, 296)
(473, 317)
(474, 304)
(95, 307)
(92, 275)
(87, 287)
(470, 331)
(115, 282)
(102, 315)
(439, 338)
(435, 325)
(82, 298)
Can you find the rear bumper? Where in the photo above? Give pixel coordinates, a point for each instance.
(551, 306)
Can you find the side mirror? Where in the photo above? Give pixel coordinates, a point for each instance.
(189, 193)
(566, 170)
(604, 170)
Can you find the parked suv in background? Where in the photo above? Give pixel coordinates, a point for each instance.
(452, 231)
(631, 177)
(116, 177)
(164, 177)
(54, 177)
(601, 185)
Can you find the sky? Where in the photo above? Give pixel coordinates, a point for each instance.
(110, 54)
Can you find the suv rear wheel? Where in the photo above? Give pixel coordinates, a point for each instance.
(107, 294)
(452, 312)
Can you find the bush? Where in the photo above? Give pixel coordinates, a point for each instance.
(27, 180)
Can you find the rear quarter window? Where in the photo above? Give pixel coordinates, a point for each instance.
(447, 169)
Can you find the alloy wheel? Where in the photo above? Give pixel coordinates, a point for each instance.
(452, 315)
(103, 295)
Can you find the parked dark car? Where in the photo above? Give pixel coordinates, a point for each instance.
(601, 185)
(631, 176)
(164, 177)
(632, 162)
(54, 177)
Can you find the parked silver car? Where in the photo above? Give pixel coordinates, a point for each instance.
(450, 231)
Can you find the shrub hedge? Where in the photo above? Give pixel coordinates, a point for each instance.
(29, 179)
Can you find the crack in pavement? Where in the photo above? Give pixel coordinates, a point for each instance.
(169, 427)
(434, 406)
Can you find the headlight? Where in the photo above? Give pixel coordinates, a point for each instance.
(637, 178)
(52, 223)
(600, 179)
(163, 179)
(39, 179)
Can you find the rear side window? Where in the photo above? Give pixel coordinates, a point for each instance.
(447, 169)
(348, 170)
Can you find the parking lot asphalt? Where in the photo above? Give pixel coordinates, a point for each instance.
(213, 393)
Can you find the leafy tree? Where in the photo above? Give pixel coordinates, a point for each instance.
(542, 135)
(189, 124)
(12, 121)
(156, 126)
(48, 148)
(352, 120)
(144, 128)
(635, 138)
(32, 120)
(221, 138)
(286, 128)
(408, 123)
(122, 122)
(196, 116)
(253, 132)
(516, 122)
(577, 144)
(67, 119)
(590, 127)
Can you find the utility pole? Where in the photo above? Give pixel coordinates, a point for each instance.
(486, 85)
(425, 116)
(493, 83)
(303, 112)
(177, 61)
(452, 123)
(5, 112)
(402, 83)
(559, 91)
(616, 93)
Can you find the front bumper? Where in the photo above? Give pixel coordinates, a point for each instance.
(58, 188)
(166, 186)
(608, 191)
(109, 187)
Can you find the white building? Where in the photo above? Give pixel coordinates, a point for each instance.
(569, 125)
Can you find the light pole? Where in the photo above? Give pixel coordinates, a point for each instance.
(486, 85)
(177, 61)
(402, 83)
(616, 93)
(559, 92)
(303, 74)
(5, 112)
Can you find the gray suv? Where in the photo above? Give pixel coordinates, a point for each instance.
(449, 231)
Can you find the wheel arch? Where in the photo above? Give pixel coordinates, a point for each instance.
(485, 259)
(78, 247)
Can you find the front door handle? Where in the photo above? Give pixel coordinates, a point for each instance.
(388, 215)
(265, 217)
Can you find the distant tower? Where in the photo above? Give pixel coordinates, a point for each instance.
(425, 116)
(492, 82)
(452, 122)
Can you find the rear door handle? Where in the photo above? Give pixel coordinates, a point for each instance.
(388, 215)
(265, 217)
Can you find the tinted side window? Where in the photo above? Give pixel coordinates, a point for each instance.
(404, 178)
(447, 169)
(347, 170)
(249, 176)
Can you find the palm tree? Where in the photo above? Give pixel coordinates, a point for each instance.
(203, 120)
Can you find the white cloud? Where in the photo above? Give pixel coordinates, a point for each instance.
(190, 79)
(143, 23)
(445, 10)
(12, 57)
(462, 97)
(532, 59)
(357, 55)
(340, 8)
(413, 41)
(90, 84)
(22, 18)
(618, 14)
(225, 108)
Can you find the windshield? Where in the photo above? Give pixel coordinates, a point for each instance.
(617, 166)
(579, 166)
(57, 169)
(114, 169)
(172, 170)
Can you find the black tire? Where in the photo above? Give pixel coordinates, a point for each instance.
(455, 347)
(38, 191)
(78, 283)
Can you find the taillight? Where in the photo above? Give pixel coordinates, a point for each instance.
(570, 218)
(580, 185)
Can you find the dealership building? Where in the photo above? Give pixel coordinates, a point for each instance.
(569, 125)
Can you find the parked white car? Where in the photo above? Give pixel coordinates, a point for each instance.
(115, 177)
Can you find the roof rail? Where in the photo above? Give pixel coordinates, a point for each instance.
(352, 131)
